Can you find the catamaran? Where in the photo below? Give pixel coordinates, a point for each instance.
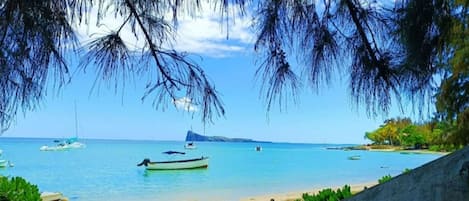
(70, 143)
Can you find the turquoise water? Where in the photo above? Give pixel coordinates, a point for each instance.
(106, 169)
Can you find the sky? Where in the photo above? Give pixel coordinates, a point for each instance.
(326, 116)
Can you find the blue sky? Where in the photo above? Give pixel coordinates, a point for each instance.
(324, 117)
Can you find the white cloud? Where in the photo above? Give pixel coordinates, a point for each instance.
(186, 104)
(204, 34)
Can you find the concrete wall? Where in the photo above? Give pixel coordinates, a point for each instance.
(445, 179)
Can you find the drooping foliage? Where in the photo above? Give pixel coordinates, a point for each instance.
(387, 51)
(452, 100)
(37, 35)
(330, 37)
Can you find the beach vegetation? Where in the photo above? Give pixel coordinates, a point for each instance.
(407, 170)
(445, 147)
(384, 179)
(18, 189)
(402, 133)
(329, 194)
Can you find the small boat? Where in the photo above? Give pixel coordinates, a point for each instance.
(356, 157)
(175, 165)
(190, 145)
(3, 163)
(195, 163)
(258, 148)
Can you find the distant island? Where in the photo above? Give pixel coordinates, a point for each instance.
(192, 136)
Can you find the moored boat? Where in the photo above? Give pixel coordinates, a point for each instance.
(190, 145)
(3, 163)
(176, 164)
(258, 148)
(356, 157)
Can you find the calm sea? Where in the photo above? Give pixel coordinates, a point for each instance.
(106, 169)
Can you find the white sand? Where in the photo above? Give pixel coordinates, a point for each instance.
(290, 196)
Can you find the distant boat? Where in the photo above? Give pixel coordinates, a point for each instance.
(70, 143)
(258, 148)
(195, 163)
(190, 145)
(356, 157)
(3, 163)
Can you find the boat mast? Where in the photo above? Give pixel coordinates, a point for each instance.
(76, 121)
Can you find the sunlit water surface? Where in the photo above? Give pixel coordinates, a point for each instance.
(106, 169)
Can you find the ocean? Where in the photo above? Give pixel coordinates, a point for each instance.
(107, 169)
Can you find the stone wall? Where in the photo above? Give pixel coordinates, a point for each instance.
(445, 179)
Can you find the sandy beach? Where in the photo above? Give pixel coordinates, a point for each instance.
(291, 196)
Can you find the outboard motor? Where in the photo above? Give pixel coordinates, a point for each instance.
(144, 162)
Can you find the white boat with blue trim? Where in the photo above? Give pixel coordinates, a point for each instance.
(194, 163)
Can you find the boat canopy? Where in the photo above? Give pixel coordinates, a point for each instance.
(71, 140)
(173, 152)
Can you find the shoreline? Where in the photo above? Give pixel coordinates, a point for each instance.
(295, 195)
(417, 151)
(388, 149)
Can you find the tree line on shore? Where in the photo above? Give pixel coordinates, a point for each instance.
(436, 135)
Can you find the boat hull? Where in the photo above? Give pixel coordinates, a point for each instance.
(3, 163)
(54, 148)
(190, 147)
(354, 157)
(178, 165)
(76, 145)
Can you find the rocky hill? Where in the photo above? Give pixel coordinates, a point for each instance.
(191, 136)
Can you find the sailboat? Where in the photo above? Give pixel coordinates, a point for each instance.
(70, 143)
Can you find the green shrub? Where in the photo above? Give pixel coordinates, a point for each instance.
(445, 147)
(18, 189)
(407, 170)
(329, 194)
(434, 148)
(385, 178)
